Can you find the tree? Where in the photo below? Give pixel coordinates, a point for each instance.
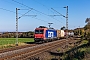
(87, 29)
(87, 20)
(87, 26)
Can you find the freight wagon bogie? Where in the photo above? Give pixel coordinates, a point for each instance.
(38, 39)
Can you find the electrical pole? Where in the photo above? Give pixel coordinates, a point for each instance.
(65, 17)
(67, 22)
(16, 26)
(17, 22)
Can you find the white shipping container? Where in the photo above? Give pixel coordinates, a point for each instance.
(62, 33)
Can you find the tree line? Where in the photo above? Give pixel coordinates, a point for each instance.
(29, 34)
(84, 32)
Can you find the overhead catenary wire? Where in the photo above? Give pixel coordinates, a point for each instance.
(27, 6)
(58, 12)
(43, 5)
(25, 15)
(34, 10)
(44, 20)
(48, 9)
(22, 4)
(7, 10)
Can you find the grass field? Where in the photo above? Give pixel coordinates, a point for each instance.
(6, 41)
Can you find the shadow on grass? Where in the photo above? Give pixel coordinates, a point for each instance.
(54, 59)
(57, 53)
(29, 42)
(33, 42)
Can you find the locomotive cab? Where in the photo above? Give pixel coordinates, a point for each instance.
(39, 34)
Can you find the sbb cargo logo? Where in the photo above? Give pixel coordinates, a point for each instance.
(50, 34)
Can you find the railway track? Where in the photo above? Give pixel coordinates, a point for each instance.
(29, 52)
(16, 48)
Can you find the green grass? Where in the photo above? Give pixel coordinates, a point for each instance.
(84, 41)
(6, 41)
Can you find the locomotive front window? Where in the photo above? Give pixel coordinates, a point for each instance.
(38, 31)
(41, 31)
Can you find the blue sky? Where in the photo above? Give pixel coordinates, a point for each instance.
(78, 11)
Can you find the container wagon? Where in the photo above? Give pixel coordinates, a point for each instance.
(60, 34)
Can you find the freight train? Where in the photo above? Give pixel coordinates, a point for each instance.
(44, 34)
